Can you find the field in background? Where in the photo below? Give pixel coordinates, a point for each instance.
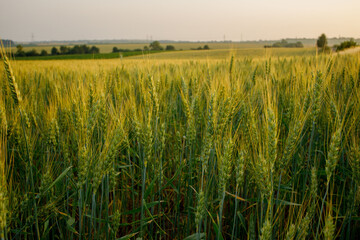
(107, 48)
(227, 53)
(188, 54)
(217, 51)
(227, 143)
(180, 46)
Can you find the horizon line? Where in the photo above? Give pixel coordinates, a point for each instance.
(130, 40)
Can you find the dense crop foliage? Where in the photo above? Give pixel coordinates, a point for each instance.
(237, 149)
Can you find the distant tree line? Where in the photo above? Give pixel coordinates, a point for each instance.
(63, 50)
(284, 44)
(115, 50)
(77, 49)
(346, 44)
(153, 46)
(206, 47)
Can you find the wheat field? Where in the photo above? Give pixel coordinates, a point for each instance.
(237, 148)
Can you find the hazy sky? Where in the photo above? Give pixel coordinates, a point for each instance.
(177, 19)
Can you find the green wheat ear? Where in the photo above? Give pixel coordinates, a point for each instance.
(15, 94)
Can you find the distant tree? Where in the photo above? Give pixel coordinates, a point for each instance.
(206, 47)
(85, 49)
(64, 50)
(43, 53)
(77, 49)
(170, 48)
(19, 48)
(155, 45)
(115, 50)
(20, 51)
(146, 48)
(322, 42)
(94, 50)
(54, 51)
(31, 53)
(199, 48)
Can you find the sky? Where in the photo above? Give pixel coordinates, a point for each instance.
(192, 20)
